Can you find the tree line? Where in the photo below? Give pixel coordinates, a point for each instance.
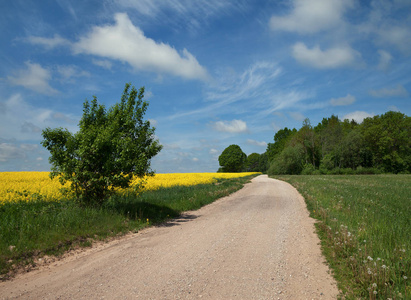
(380, 144)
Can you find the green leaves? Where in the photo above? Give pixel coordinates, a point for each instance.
(232, 159)
(110, 147)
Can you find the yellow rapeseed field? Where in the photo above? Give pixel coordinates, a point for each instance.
(25, 186)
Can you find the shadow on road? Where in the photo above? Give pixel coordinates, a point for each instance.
(177, 221)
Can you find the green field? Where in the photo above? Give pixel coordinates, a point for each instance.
(365, 228)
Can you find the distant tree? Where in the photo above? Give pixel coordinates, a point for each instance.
(110, 148)
(252, 163)
(353, 151)
(232, 159)
(307, 137)
(289, 161)
(264, 164)
(378, 144)
(330, 133)
(389, 139)
(281, 138)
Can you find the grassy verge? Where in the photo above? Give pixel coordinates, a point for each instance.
(35, 228)
(365, 228)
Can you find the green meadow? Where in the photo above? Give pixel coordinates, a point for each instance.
(365, 229)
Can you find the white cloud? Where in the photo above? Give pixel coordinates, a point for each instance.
(153, 122)
(397, 36)
(29, 127)
(104, 63)
(22, 121)
(48, 43)
(10, 151)
(35, 78)
(398, 91)
(213, 151)
(357, 116)
(67, 73)
(390, 22)
(347, 100)
(234, 126)
(393, 108)
(125, 42)
(297, 116)
(195, 159)
(310, 16)
(332, 58)
(256, 143)
(385, 60)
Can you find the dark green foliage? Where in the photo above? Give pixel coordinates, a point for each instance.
(232, 159)
(256, 163)
(110, 147)
(379, 144)
(280, 140)
(388, 137)
(253, 162)
(289, 161)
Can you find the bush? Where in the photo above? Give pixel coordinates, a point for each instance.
(289, 161)
(308, 169)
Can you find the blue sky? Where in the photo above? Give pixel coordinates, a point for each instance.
(216, 72)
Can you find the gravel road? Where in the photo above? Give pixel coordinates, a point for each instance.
(258, 243)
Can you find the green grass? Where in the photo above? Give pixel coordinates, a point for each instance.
(365, 228)
(33, 229)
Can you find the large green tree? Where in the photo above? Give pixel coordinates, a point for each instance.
(232, 159)
(252, 163)
(389, 139)
(281, 138)
(110, 148)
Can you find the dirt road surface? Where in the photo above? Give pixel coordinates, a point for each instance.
(258, 243)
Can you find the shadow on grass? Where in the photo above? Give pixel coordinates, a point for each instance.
(143, 211)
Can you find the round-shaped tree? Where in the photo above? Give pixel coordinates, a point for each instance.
(232, 159)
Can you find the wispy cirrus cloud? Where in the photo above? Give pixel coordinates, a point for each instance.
(188, 15)
(48, 43)
(397, 91)
(247, 90)
(255, 93)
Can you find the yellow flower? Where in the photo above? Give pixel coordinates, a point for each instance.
(28, 186)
